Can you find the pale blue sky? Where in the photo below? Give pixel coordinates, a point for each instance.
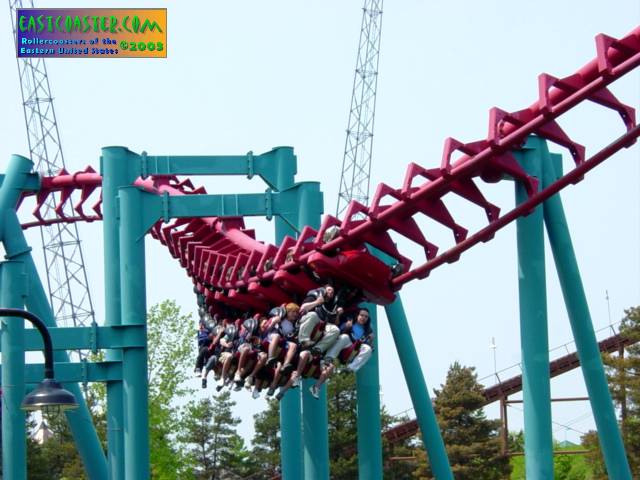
(251, 75)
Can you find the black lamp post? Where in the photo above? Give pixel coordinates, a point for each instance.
(48, 396)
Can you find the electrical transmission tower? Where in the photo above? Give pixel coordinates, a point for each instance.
(66, 276)
(356, 163)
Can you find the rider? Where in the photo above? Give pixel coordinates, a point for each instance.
(319, 305)
(246, 351)
(228, 343)
(356, 339)
(204, 340)
(283, 327)
(357, 334)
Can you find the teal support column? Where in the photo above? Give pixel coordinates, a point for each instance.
(586, 343)
(291, 453)
(118, 168)
(314, 411)
(315, 436)
(369, 424)
(134, 311)
(418, 391)
(534, 338)
(17, 249)
(14, 439)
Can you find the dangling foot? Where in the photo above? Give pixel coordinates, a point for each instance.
(315, 391)
(248, 383)
(256, 393)
(204, 383)
(197, 372)
(271, 362)
(325, 362)
(286, 369)
(220, 385)
(271, 391)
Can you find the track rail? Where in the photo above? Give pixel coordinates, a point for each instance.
(513, 385)
(229, 265)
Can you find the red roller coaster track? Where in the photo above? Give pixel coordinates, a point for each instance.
(231, 267)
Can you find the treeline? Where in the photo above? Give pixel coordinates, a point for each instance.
(199, 440)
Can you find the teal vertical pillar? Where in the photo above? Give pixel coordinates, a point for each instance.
(369, 424)
(134, 311)
(118, 168)
(291, 454)
(534, 339)
(315, 422)
(418, 391)
(586, 343)
(14, 440)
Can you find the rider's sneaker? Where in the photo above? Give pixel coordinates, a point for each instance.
(315, 391)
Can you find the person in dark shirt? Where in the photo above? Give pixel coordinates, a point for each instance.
(204, 340)
(319, 305)
(356, 335)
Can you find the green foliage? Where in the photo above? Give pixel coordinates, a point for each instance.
(170, 352)
(214, 448)
(565, 467)
(472, 441)
(623, 373)
(341, 404)
(342, 407)
(58, 458)
(171, 347)
(266, 439)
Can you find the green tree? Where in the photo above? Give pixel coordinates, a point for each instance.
(594, 459)
(266, 438)
(341, 403)
(623, 372)
(472, 441)
(58, 457)
(215, 450)
(171, 349)
(343, 430)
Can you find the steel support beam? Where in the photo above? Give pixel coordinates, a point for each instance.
(431, 437)
(14, 434)
(119, 168)
(369, 424)
(87, 338)
(534, 338)
(291, 451)
(277, 168)
(74, 372)
(580, 318)
(314, 411)
(134, 312)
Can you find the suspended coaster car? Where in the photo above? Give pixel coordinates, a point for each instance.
(242, 301)
(268, 293)
(295, 282)
(359, 269)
